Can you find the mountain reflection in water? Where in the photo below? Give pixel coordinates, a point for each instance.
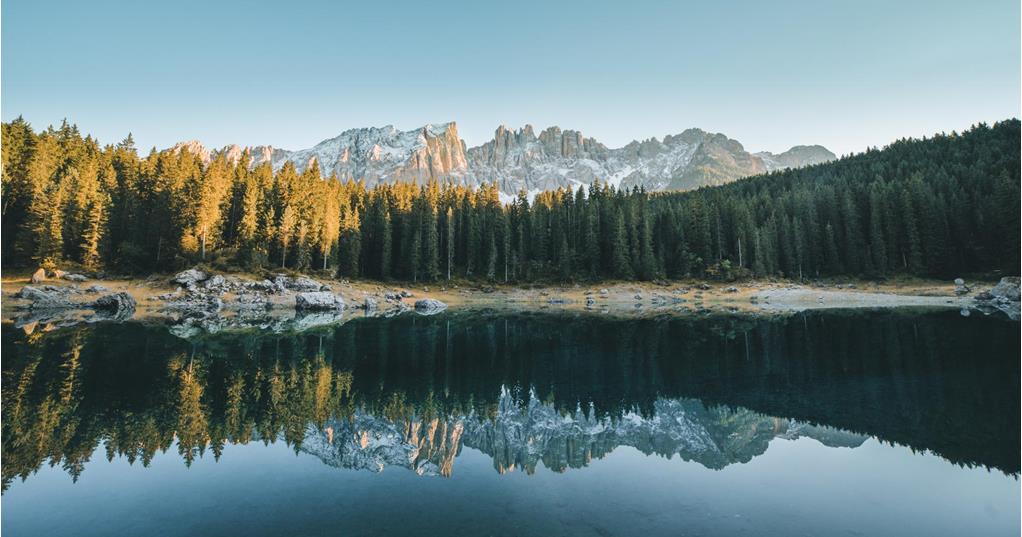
(522, 434)
(525, 389)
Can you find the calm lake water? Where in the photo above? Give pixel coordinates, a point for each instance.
(827, 423)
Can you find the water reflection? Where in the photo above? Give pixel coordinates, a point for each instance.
(528, 390)
(523, 434)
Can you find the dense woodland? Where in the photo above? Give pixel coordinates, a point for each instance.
(943, 206)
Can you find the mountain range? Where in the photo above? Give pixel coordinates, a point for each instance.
(520, 160)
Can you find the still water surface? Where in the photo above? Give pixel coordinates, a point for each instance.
(872, 423)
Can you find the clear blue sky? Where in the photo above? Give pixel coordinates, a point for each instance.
(770, 74)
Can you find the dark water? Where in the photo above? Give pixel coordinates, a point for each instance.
(877, 423)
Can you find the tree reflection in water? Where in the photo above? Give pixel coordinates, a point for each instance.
(523, 388)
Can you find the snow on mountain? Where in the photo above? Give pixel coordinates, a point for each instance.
(380, 154)
(519, 160)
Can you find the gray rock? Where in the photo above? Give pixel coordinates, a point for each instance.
(1007, 288)
(95, 289)
(118, 304)
(302, 283)
(196, 305)
(429, 306)
(604, 292)
(369, 304)
(77, 278)
(217, 283)
(48, 297)
(960, 287)
(190, 277)
(1003, 297)
(318, 301)
(731, 289)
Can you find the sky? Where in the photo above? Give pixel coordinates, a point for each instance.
(847, 75)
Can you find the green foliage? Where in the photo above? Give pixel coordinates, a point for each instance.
(943, 206)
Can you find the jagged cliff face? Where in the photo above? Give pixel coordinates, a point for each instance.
(519, 160)
(378, 155)
(523, 434)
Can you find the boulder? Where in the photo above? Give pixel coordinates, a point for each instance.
(77, 278)
(118, 304)
(196, 305)
(1006, 289)
(216, 283)
(318, 301)
(190, 277)
(302, 283)
(429, 306)
(369, 304)
(96, 289)
(960, 287)
(45, 298)
(39, 276)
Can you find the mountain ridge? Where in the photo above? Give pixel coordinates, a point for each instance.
(521, 160)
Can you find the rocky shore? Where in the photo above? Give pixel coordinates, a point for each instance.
(196, 301)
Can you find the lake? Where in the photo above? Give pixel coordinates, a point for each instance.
(886, 422)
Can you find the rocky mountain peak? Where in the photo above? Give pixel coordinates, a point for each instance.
(193, 147)
(520, 160)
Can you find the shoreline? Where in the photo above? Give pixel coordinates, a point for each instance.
(222, 301)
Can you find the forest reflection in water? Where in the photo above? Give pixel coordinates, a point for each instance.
(524, 389)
